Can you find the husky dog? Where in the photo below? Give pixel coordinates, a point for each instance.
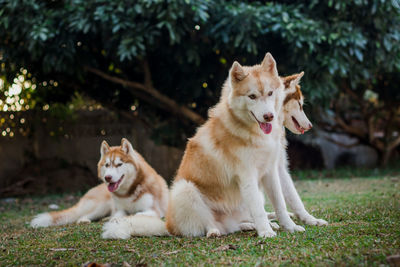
(296, 121)
(130, 186)
(232, 157)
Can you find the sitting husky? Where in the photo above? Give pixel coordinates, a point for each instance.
(231, 158)
(130, 186)
(296, 121)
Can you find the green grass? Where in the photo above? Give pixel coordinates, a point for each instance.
(364, 229)
(347, 172)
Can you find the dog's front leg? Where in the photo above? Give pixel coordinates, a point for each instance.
(293, 199)
(117, 213)
(273, 189)
(253, 201)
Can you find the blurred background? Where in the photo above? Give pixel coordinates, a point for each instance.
(76, 72)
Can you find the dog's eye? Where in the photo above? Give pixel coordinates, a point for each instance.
(119, 165)
(270, 93)
(107, 165)
(252, 96)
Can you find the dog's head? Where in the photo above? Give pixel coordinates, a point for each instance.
(117, 165)
(256, 92)
(295, 119)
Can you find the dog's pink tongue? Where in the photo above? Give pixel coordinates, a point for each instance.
(112, 187)
(266, 127)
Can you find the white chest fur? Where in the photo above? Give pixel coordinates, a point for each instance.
(132, 204)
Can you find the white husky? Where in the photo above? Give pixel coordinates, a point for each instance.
(130, 186)
(234, 155)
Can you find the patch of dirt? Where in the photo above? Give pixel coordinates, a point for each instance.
(48, 176)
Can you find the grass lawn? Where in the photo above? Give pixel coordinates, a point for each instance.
(364, 217)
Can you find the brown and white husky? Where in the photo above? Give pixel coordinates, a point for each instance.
(130, 186)
(296, 121)
(232, 158)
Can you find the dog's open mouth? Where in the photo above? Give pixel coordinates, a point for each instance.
(297, 125)
(266, 127)
(112, 187)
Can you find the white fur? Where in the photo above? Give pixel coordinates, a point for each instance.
(42, 220)
(196, 218)
(127, 205)
(136, 225)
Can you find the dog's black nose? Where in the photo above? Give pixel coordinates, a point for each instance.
(108, 178)
(268, 117)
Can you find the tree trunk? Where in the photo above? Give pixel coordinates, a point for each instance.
(385, 156)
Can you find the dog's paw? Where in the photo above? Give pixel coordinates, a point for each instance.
(84, 220)
(292, 227)
(247, 226)
(272, 215)
(321, 222)
(274, 225)
(266, 233)
(213, 233)
(311, 220)
(115, 230)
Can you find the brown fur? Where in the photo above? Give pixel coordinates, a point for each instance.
(296, 95)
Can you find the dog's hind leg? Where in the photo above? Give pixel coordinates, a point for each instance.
(99, 211)
(189, 213)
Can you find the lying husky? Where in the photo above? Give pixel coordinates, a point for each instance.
(231, 157)
(130, 186)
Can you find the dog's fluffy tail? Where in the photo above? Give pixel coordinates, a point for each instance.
(95, 204)
(135, 225)
(46, 219)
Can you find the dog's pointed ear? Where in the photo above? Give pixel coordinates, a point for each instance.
(104, 148)
(291, 82)
(269, 64)
(237, 72)
(296, 81)
(126, 146)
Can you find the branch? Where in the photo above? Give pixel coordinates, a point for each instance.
(165, 102)
(394, 144)
(342, 144)
(348, 128)
(147, 75)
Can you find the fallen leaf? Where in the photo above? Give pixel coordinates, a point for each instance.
(125, 264)
(394, 260)
(171, 252)
(225, 247)
(61, 249)
(95, 264)
(130, 249)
